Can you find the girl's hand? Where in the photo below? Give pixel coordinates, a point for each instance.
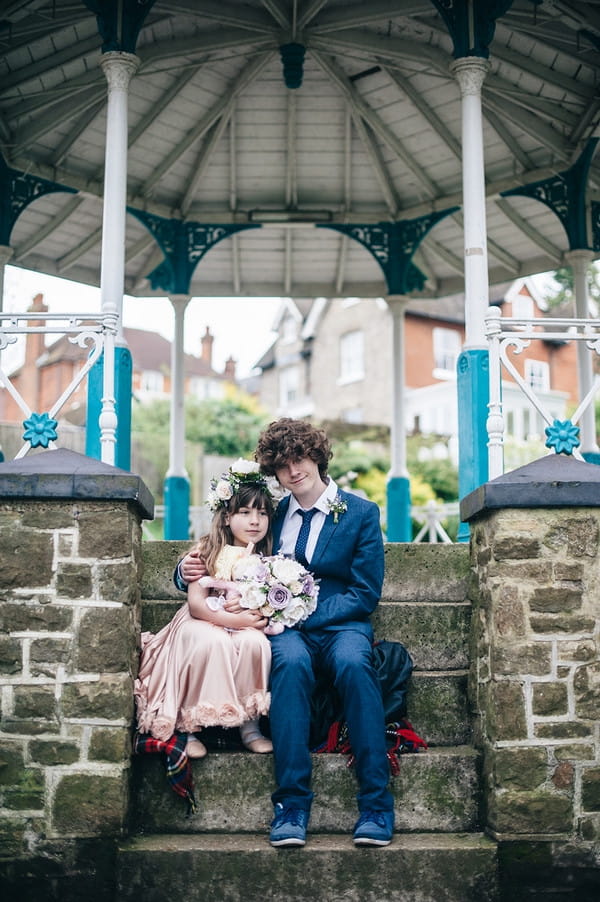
(246, 619)
(192, 567)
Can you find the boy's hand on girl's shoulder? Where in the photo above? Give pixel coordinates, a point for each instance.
(192, 567)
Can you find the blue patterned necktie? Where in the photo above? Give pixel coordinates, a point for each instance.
(302, 540)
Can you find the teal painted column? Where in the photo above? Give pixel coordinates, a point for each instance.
(177, 483)
(123, 395)
(177, 507)
(473, 390)
(399, 525)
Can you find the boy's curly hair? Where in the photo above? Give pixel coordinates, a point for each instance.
(288, 440)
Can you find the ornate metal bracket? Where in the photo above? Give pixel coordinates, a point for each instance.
(393, 245)
(183, 244)
(564, 193)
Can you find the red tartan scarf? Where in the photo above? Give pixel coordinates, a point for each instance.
(179, 769)
(400, 736)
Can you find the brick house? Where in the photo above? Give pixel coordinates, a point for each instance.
(332, 359)
(48, 369)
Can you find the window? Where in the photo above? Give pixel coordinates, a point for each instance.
(289, 386)
(537, 375)
(353, 415)
(152, 381)
(522, 307)
(446, 348)
(352, 356)
(289, 330)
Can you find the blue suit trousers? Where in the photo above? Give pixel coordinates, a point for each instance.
(347, 655)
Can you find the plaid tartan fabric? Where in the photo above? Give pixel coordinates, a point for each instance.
(179, 769)
(401, 739)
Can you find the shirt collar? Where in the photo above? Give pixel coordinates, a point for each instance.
(322, 502)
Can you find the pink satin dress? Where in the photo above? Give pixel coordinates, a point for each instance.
(194, 674)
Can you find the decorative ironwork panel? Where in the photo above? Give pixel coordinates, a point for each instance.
(472, 23)
(17, 191)
(40, 428)
(183, 244)
(393, 245)
(564, 194)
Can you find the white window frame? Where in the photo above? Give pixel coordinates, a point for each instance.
(537, 374)
(446, 348)
(352, 357)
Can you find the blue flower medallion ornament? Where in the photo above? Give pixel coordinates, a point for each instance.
(563, 436)
(40, 429)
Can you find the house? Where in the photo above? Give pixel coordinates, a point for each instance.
(47, 370)
(332, 360)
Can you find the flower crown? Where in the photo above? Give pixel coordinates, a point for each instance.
(241, 473)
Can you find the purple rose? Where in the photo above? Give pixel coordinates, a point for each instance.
(279, 597)
(308, 584)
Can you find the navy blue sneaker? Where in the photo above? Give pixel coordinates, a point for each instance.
(374, 828)
(288, 827)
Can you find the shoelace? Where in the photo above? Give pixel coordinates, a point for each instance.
(293, 816)
(375, 817)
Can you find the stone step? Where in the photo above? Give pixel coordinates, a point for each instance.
(413, 572)
(244, 868)
(436, 633)
(426, 572)
(435, 791)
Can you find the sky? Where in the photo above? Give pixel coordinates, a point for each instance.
(242, 327)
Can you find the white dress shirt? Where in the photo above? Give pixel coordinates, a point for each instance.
(293, 522)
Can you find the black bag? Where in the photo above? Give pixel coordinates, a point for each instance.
(394, 667)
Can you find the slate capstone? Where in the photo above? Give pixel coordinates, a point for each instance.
(551, 481)
(64, 474)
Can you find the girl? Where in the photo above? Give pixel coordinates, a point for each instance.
(210, 666)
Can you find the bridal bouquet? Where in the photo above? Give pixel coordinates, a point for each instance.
(279, 587)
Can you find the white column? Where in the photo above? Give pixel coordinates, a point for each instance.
(579, 260)
(6, 253)
(397, 305)
(470, 73)
(118, 69)
(177, 424)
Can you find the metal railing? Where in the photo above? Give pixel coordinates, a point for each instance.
(513, 334)
(431, 515)
(97, 334)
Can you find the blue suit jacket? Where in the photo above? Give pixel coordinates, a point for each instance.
(348, 562)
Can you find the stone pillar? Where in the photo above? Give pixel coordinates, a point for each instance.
(535, 680)
(70, 546)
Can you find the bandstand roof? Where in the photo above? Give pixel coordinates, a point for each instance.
(372, 134)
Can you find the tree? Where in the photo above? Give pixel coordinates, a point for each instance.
(561, 298)
(228, 427)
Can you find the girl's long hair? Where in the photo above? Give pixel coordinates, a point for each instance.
(250, 495)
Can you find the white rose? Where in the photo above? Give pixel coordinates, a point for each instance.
(248, 567)
(286, 570)
(276, 489)
(295, 587)
(294, 613)
(243, 466)
(223, 490)
(252, 597)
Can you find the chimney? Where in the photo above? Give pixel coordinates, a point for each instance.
(35, 345)
(229, 371)
(207, 344)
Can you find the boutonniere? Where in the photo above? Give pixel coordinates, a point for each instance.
(337, 507)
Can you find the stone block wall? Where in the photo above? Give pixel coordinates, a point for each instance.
(69, 622)
(535, 684)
